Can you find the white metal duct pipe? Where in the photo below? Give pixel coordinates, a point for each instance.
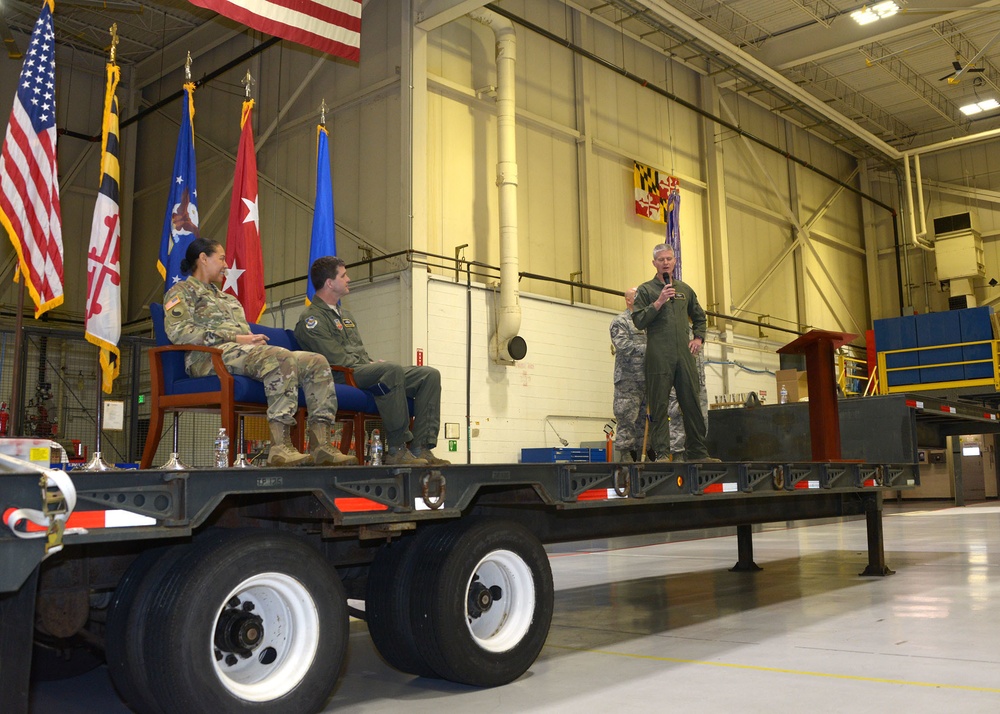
(506, 346)
(917, 239)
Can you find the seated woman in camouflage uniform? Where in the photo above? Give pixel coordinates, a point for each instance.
(197, 312)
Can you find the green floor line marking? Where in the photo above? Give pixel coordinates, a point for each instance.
(781, 670)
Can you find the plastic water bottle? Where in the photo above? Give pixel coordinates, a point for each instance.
(376, 448)
(222, 449)
(784, 394)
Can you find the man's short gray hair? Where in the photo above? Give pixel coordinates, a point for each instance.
(662, 247)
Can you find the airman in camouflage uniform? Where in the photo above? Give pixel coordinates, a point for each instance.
(629, 347)
(677, 437)
(199, 313)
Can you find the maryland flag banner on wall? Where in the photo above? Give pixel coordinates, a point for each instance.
(652, 192)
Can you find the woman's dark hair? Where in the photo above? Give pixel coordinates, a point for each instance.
(194, 251)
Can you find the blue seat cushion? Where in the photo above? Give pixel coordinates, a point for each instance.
(245, 389)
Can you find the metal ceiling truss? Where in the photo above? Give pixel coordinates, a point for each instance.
(879, 54)
(964, 47)
(852, 102)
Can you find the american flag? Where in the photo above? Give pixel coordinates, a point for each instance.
(29, 187)
(331, 26)
(104, 311)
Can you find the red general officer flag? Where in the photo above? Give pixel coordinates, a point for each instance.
(245, 275)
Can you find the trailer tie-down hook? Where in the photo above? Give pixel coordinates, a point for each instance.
(436, 480)
(623, 481)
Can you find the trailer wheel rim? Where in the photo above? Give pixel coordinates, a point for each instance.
(501, 601)
(284, 652)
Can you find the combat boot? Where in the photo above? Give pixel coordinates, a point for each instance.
(322, 449)
(283, 453)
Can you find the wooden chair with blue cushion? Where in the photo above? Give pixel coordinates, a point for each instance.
(354, 405)
(173, 390)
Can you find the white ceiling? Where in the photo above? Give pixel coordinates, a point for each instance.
(876, 90)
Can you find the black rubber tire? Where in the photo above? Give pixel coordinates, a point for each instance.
(128, 615)
(301, 601)
(387, 604)
(451, 560)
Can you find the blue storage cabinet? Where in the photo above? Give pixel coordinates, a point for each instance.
(976, 325)
(898, 333)
(940, 328)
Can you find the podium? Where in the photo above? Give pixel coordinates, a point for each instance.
(824, 417)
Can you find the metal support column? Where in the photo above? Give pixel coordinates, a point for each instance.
(876, 545)
(955, 445)
(744, 547)
(17, 625)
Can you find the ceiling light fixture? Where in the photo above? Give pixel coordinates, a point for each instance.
(869, 14)
(977, 107)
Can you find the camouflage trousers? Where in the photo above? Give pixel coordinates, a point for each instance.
(630, 413)
(282, 372)
(677, 435)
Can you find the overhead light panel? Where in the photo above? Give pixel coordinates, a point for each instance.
(871, 13)
(983, 106)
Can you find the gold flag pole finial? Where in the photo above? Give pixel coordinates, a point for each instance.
(322, 113)
(248, 82)
(114, 41)
(187, 67)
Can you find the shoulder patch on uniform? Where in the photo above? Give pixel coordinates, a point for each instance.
(171, 304)
(311, 322)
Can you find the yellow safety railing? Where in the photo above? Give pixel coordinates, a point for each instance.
(852, 375)
(993, 380)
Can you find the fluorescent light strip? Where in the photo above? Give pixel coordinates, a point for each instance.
(867, 15)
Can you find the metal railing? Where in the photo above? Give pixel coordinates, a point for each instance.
(923, 360)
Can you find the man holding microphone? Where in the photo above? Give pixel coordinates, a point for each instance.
(663, 308)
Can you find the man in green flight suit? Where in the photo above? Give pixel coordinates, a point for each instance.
(327, 328)
(663, 308)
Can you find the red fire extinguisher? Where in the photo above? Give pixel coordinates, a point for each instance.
(4, 417)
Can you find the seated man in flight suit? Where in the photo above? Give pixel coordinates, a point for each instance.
(330, 330)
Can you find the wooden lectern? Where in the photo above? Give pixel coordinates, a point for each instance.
(824, 417)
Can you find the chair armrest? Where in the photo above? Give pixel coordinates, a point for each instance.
(217, 364)
(348, 373)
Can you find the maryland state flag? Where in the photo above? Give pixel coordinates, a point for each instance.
(245, 274)
(652, 192)
(104, 320)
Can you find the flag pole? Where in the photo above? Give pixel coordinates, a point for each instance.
(97, 462)
(16, 413)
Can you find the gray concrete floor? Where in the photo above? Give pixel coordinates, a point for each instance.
(642, 625)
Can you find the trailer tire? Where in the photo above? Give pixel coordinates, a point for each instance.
(125, 650)
(249, 621)
(482, 601)
(387, 604)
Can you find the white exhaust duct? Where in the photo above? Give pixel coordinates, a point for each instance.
(505, 345)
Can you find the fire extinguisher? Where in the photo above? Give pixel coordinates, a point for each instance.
(4, 417)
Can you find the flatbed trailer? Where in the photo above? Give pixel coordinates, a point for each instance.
(226, 590)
